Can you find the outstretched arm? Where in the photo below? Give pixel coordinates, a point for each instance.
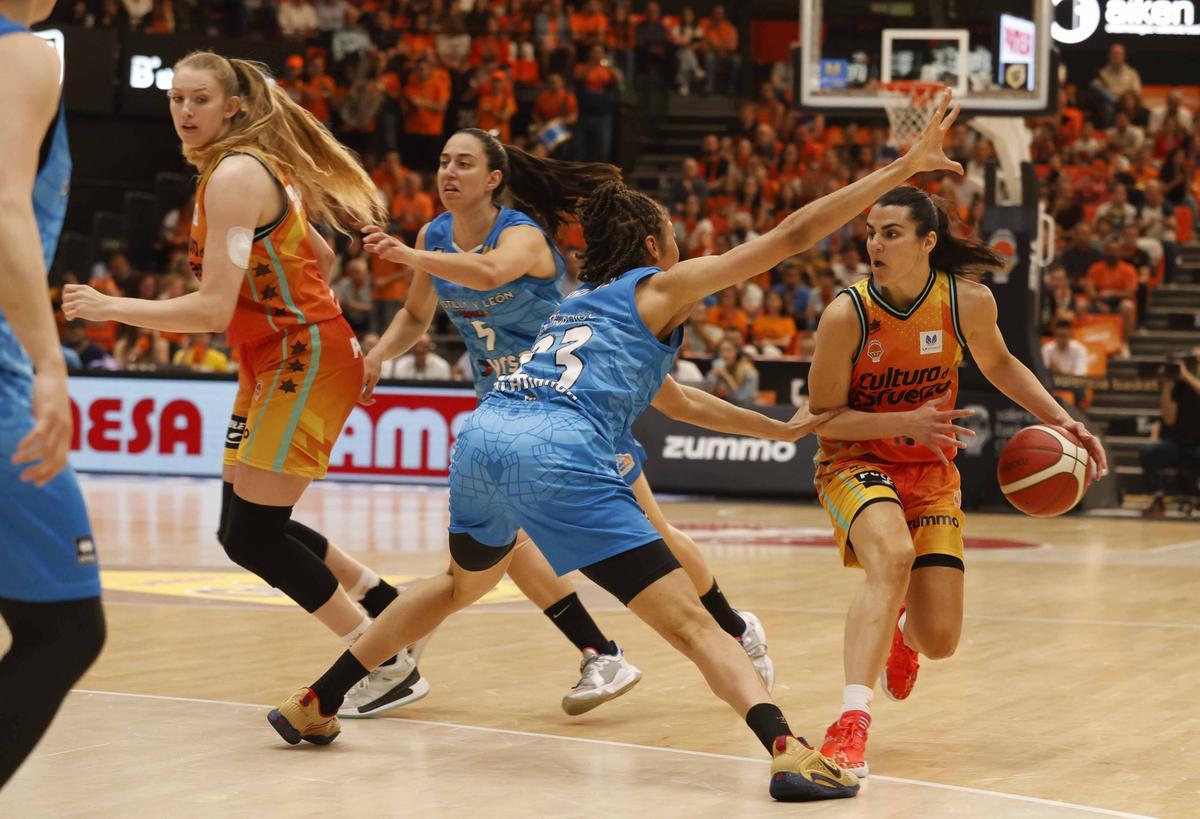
(693, 406)
(239, 195)
(695, 279)
(522, 250)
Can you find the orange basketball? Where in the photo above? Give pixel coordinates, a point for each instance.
(1044, 471)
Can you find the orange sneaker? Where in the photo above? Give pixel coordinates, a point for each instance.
(846, 742)
(299, 717)
(900, 673)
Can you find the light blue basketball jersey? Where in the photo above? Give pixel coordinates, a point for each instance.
(595, 355)
(50, 207)
(496, 325)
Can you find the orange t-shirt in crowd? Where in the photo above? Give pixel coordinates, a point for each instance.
(410, 212)
(283, 286)
(422, 121)
(768, 328)
(498, 47)
(595, 78)
(382, 269)
(735, 319)
(584, 26)
(721, 35)
(313, 96)
(494, 113)
(1120, 277)
(418, 44)
(550, 105)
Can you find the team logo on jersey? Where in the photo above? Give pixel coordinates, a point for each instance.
(875, 350)
(873, 328)
(85, 551)
(235, 432)
(931, 342)
(872, 477)
(624, 463)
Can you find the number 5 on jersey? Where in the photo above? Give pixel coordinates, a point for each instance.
(564, 357)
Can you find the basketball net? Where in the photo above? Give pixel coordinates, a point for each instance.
(909, 105)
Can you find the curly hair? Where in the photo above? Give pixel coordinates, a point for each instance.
(616, 221)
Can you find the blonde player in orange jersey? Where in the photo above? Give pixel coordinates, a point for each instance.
(889, 348)
(267, 168)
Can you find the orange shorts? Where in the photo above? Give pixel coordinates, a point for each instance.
(929, 495)
(295, 391)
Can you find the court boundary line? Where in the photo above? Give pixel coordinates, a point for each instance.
(1037, 800)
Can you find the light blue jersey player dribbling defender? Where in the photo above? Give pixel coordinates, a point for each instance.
(499, 325)
(539, 452)
(46, 549)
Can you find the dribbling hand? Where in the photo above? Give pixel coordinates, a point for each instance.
(928, 153)
(934, 428)
(379, 242)
(1097, 456)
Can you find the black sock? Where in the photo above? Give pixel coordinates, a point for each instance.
(573, 620)
(729, 620)
(767, 722)
(379, 598)
(332, 687)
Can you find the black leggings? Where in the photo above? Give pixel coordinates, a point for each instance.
(52, 645)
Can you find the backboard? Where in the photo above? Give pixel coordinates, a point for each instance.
(995, 54)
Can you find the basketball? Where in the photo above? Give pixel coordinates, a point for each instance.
(1044, 471)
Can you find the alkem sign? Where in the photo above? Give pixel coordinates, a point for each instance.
(1127, 17)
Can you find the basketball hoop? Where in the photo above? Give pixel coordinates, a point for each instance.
(909, 105)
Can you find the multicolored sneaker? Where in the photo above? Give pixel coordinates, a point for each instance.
(299, 717)
(900, 673)
(754, 641)
(385, 689)
(602, 677)
(846, 742)
(800, 774)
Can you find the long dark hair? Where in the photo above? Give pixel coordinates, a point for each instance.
(549, 190)
(616, 221)
(951, 254)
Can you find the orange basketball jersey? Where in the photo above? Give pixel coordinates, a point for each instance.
(905, 358)
(283, 286)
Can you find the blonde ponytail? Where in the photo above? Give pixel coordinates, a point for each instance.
(331, 182)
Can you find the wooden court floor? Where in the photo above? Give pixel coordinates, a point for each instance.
(1073, 691)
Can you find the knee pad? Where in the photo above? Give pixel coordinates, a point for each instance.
(310, 539)
(226, 499)
(474, 556)
(257, 540)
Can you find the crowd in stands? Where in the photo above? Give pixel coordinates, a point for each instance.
(392, 81)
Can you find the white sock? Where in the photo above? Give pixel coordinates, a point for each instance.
(857, 698)
(366, 581)
(357, 632)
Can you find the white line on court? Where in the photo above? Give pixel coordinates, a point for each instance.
(614, 744)
(1175, 547)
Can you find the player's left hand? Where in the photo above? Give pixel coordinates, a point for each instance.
(379, 242)
(1098, 458)
(46, 447)
(804, 422)
(82, 301)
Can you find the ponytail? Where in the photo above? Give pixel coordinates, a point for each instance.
(549, 190)
(951, 254)
(328, 177)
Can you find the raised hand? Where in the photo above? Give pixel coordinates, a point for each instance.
(927, 153)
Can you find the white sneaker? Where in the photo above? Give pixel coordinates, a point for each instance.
(754, 641)
(385, 689)
(603, 677)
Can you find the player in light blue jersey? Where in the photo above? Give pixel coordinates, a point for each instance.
(538, 455)
(49, 580)
(498, 276)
